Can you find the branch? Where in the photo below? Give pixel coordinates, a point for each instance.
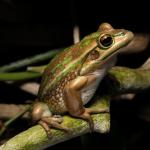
(125, 80)
(36, 138)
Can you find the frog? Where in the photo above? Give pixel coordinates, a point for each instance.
(72, 77)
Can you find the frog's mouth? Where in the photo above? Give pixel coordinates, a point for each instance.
(110, 58)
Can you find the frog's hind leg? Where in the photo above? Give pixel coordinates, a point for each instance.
(74, 102)
(42, 115)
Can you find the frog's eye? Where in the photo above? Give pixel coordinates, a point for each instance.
(106, 40)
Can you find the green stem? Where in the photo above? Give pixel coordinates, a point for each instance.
(28, 61)
(16, 76)
(39, 69)
(10, 121)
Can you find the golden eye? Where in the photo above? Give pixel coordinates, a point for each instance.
(106, 40)
(94, 54)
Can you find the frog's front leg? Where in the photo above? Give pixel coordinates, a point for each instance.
(74, 102)
(42, 114)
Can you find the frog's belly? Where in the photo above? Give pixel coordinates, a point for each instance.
(88, 92)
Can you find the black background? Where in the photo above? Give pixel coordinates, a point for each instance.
(30, 27)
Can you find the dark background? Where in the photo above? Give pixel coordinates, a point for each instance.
(30, 27)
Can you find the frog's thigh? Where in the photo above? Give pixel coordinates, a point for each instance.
(72, 94)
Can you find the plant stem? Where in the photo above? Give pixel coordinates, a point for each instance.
(29, 61)
(16, 76)
(10, 121)
(39, 69)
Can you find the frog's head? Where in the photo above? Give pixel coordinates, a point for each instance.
(111, 40)
(108, 42)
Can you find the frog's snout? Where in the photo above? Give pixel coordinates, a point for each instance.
(128, 36)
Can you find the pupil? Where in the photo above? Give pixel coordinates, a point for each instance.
(106, 40)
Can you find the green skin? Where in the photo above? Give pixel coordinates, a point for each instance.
(72, 77)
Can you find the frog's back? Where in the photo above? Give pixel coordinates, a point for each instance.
(68, 60)
(53, 95)
(57, 74)
(54, 72)
(63, 68)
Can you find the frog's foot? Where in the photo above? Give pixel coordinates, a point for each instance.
(86, 115)
(52, 122)
(41, 113)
